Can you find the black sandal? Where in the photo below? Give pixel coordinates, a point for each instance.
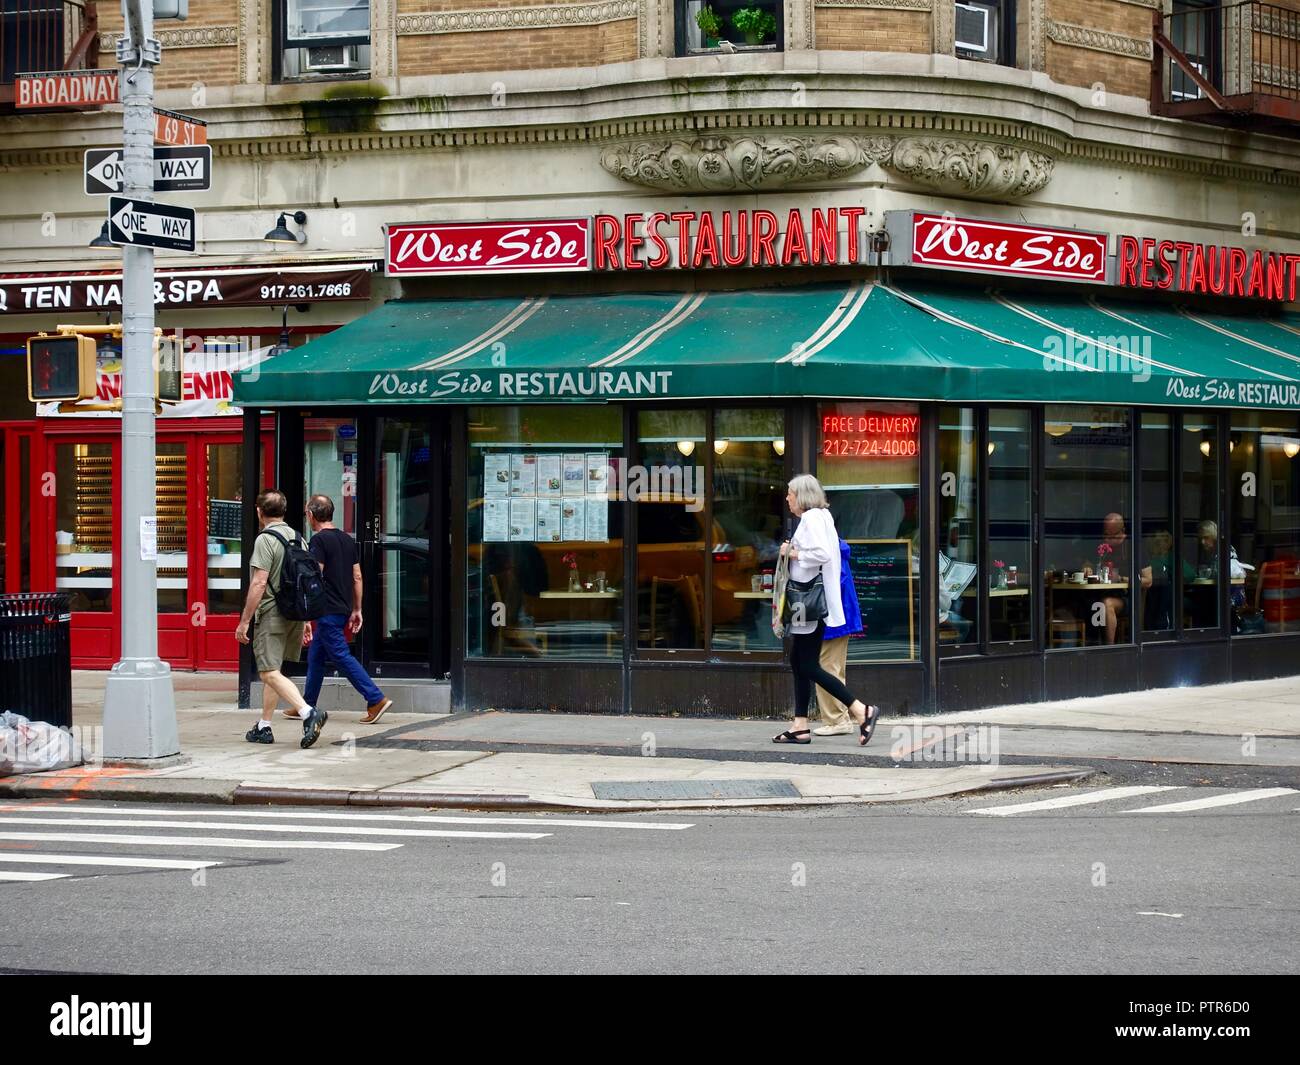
(868, 726)
(793, 737)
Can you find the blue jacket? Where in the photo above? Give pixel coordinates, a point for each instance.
(849, 600)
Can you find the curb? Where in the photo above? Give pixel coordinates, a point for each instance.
(233, 793)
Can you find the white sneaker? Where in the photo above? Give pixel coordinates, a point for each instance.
(834, 730)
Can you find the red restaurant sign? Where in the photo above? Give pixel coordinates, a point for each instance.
(995, 247)
(869, 434)
(427, 248)
(692, 240)
(66, 88)
(1216, 269)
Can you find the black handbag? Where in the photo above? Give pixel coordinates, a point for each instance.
(804, 600)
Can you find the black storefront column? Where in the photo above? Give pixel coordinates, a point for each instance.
(928, 517)
(252, 476)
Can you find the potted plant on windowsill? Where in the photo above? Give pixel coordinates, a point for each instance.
(755, 24)
(710, 25)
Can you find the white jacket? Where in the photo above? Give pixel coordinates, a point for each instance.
(819, 550)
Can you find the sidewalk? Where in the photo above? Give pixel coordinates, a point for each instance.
(573, 761)
(507, 761)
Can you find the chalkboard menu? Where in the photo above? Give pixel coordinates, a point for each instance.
(882, 576)
(225, 521)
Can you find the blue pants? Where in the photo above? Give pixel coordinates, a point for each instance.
(328, 642)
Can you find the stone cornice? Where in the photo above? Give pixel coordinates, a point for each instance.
(885, 5)
(542, 16)
(1072, 36)
(672, 99)
(763, 161)
(185, 37)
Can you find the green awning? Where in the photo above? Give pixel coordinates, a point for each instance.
(864, 340)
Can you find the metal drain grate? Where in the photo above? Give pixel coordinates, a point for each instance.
(665, 790)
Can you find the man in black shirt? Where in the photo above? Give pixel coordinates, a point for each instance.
(340, 565)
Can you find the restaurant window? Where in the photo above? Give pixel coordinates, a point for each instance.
(545, 536)
(744, 26)
(1264, 493)
(1009, 561)
(868, 460)
(748, 503)
(1158, 570)
(324, 38)
(1198, 500)
(671, 522)
(1087, 487)
(959, 495)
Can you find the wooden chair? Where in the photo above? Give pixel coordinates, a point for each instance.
(689, 590)
(523, 639)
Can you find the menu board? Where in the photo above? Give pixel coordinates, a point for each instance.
(224, 519)
(883, 579)
(547, 498)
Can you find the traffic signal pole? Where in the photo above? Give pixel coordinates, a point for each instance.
(139, 705)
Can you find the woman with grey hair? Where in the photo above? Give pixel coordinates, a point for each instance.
(815, 548)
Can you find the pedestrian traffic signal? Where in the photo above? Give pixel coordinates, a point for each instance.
(60, 368)
(168, 363)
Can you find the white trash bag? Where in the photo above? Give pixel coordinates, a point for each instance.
(34, 746)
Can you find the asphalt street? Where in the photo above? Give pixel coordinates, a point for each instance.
(1072, 879)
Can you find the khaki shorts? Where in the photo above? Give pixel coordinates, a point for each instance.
(276, 640)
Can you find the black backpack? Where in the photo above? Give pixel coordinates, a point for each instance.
(301, 595)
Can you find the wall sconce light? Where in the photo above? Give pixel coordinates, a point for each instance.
(778, 446)
(102, 240)
(282, 234)
(720, 446)
(1291, 449)
(1205, 448)
(686, 447)
(992, 447)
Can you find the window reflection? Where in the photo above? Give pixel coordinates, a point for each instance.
(1265, 508)
(545, 532)
(1085, 524)
(958, 527)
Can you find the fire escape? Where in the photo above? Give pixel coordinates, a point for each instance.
(1230, 64)
(45, 35)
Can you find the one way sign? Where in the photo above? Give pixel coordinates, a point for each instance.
(151, 225)
(174, 169)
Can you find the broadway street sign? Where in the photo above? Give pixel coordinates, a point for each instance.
(150, 225)
(174, 169)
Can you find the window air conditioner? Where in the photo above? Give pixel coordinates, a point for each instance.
(332, 59)
(975, 32)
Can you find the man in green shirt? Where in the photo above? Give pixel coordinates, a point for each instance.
(275, 637)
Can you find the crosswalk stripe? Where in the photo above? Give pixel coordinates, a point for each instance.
(338, 830)
(105, 859)
(432, 819)
(26, 877)
(1074, 800)
(197, 841)
(1231, 799)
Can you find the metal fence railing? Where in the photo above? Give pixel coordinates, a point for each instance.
(1236, 49)
(38, 35)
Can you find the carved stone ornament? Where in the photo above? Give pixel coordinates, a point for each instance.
(985, 170)
(726, 164)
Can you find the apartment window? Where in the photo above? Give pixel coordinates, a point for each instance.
(986, 31)
(323, 38)
(729, 26)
